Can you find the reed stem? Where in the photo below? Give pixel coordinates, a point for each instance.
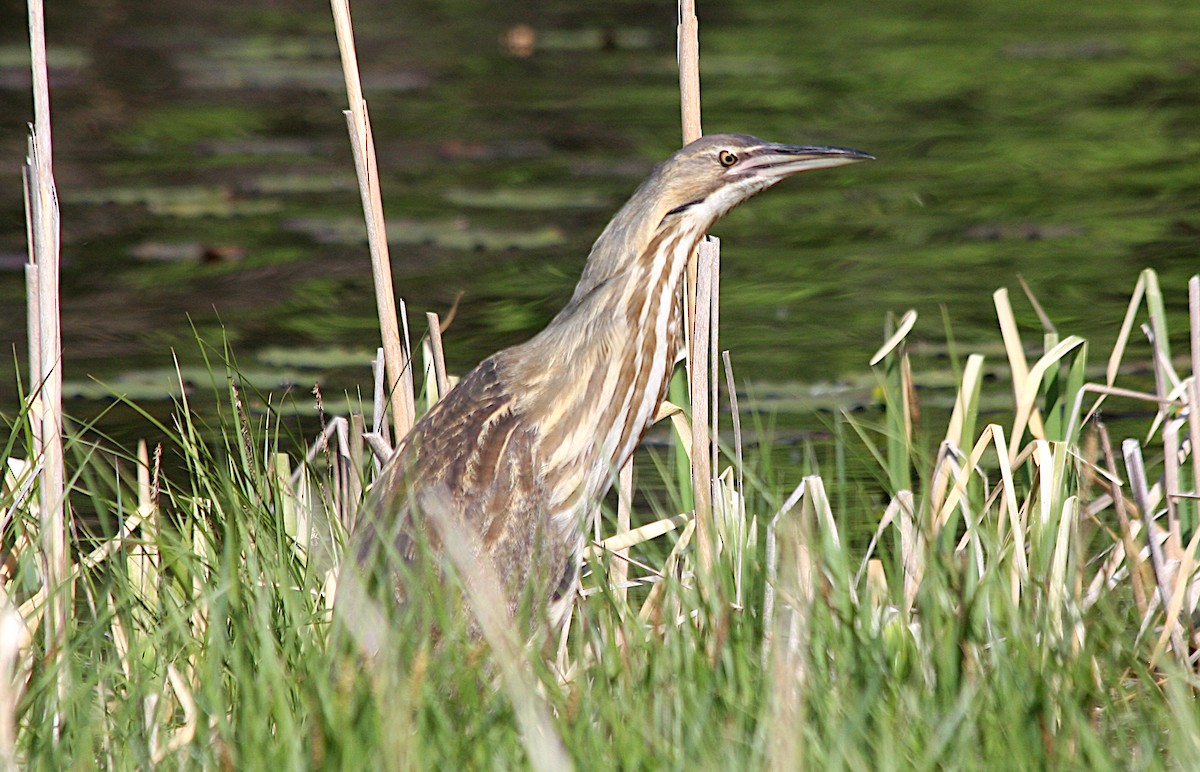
(362, 144)
(43, 218)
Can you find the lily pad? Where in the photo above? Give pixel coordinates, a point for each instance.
(188, 201)
(318, 75)
(271, 47)
(17, 57)
(263, 147)
(455, 234)
(164, 383)
(527, 198)
(315, 357)
(301, 182)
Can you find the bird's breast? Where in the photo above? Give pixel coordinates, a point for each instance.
(621, 376)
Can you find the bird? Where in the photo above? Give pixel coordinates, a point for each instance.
(523, 448)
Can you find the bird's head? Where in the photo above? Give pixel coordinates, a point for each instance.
(696, 186)
(708, 177)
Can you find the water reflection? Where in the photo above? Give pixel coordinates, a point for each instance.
(206, 177)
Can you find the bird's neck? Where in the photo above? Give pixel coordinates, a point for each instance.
(605, 361)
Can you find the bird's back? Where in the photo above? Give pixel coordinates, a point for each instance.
(477, 458)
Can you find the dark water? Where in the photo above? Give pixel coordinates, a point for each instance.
(207, 184)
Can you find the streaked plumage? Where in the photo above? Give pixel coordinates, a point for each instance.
(529, 441)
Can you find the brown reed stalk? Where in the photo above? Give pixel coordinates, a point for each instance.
(1132, 560)
(688, 52)
(43, 217)
(379, 396)
(1136, 471)
(623, 541)
(362, 144)
(698, 381)
(619, 566)
(1194, 394)
(32, 314)
(358, 428)
(740, 482)
(439, 356)
(792, 570)
(700, 300)
(714, 357)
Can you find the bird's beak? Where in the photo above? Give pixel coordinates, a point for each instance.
(784, 160)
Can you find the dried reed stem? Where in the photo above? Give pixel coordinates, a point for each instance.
(379, 424)
(772, 564)
(688, 52)
(739, 480)
(1171, 486)
(619, 567)
(785, 631)
(43, 217)
(1194, 392)
(358, 428)
(439, 356)
(714, 359)
(32, 305)
(1134, 563)
(700, 304)
(362, 144)
(1016, 360)
(623, 541)
(702, 472)
(1136, 470)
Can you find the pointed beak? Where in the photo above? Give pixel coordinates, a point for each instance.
(784, 160)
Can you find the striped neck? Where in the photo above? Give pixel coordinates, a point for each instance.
(601, 377)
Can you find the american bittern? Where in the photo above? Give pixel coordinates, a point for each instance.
(523, 448)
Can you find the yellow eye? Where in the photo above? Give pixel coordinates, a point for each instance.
(726, 158)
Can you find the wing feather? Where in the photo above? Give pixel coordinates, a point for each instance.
(474, 452)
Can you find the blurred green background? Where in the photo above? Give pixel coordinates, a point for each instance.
(206, 179)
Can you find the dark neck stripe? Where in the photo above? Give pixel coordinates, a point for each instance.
(684, 207)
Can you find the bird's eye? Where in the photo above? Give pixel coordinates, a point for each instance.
(726, 158)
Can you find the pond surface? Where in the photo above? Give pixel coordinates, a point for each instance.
(208, 190)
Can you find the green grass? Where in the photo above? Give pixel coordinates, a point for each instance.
(966, 639)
